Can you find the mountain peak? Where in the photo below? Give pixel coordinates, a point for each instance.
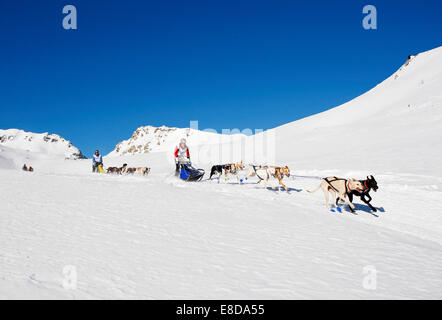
(148, 139)
(45, 143)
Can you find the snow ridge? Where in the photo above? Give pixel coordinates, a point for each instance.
(149, 139)
(45, 143)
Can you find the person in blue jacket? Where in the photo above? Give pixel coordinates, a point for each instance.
(97, 159)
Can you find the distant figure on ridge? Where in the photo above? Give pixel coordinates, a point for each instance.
(25, 168)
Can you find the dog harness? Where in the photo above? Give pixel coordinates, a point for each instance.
(347, 187)
(337, 179)
(232, 168)
(364, 185)
(254, 169)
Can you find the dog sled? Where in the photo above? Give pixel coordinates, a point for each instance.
(189, 173)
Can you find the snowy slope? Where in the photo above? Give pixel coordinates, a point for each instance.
(159, 237)
(40, 143)
(395, 127)
(6, 158)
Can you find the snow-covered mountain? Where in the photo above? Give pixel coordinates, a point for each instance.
(148, 139)
(42, 143)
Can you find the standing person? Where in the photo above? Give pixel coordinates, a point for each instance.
(182, 155)
(97, 160)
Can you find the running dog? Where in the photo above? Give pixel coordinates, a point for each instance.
(144, 171)
(116, 170)
(130, 170)
(339, 188)
(113, 170)
(123, 168)
(225, 169)
(368, 184)
(265, 172)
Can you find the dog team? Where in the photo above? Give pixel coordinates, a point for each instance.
(97, 164)
(125, 170)
(341, 189)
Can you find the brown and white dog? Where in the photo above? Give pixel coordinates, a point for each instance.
(225, 169)
(265, 172)
(144, 171)
(123, 168)
(338, 187)
(116, 170)
(113, 170)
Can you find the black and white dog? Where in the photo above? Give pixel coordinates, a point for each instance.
(368, 184)
(224, 169)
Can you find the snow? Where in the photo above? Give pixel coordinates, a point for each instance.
(39, 143)
(149, 139)
(157, 237)
(394, 127)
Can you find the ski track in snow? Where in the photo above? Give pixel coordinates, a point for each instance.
(158, 237)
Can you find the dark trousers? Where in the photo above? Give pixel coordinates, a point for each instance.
(95, 166)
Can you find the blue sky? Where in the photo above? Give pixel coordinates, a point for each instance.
(227, 64)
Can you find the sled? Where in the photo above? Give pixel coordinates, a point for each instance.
(100, 169)
(189, 173)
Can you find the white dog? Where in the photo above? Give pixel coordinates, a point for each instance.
(265, 172)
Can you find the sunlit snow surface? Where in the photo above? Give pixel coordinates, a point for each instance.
(158, 237)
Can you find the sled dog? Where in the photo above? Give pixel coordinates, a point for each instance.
(117, 170)
(140, 170)
(339, 188)
(265, 172)
(368, 184)
(113, 170)
(225, 169)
